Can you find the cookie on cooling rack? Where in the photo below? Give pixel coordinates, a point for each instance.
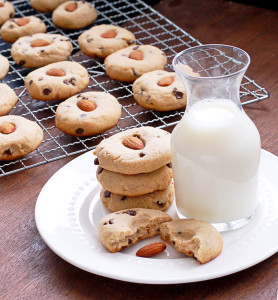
(130, 63)
(159, 90)
(46, 5)
(74, 15)
(102, 40)
(41, 49)
(15, 28)
(4, 66)
(57, 81)
(195, 238)
(18, 136)
(137, 184)
(6, 11)
(8, 99)
(136, 150)
(88, 114)
(160, 200)
(124, 228)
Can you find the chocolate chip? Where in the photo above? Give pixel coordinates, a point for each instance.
(96, 161)
(141, 93)
(46, 91)
(11, 15)
(106, 194)
(40, 79)
(83, 115)
(177, 94)
(142, 154)
(160, 204)
(66, 82)
(72, 81)
(169, 165)
(148, 98)
(11, 26)
(8, 152)
(42, 51)
(123, 198)
(79, 131)
(89, 40)
(130, 212)
(30, 82)
(105, 223)
(174, 243)
(129, 241)
(100, 170)
(135, 48)
(21, 62)
(135, 73)
(111, 221)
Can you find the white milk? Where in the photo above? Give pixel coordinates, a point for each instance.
(215, 158)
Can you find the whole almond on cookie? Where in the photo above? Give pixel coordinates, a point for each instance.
(151, 249)
(133, 142)
(7, 128)
(22, 22)
(110, 34)
(166, 81)
(137, 55)
(40, 43)
(55, 72)
(86, 105)
(71, 7)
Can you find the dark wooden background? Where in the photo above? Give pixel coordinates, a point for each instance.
(30, 270)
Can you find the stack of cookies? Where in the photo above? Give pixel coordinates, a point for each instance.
(134, 169)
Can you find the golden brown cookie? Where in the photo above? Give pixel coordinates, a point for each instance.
(8, 99)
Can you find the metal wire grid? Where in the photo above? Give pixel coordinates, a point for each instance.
(149, 27)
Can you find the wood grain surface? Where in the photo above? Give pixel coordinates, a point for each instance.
(30, 270)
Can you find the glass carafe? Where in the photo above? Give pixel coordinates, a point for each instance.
(215, 147)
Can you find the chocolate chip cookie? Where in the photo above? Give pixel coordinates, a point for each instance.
(46, 5)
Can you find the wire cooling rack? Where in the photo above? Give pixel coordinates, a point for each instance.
(149, 27)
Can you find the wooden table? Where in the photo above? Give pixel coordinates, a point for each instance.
(30, 270)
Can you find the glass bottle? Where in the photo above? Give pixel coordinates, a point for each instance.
(215, 147)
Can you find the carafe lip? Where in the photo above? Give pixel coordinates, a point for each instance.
(191, 76)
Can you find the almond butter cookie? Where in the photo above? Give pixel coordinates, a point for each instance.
(74, 15)
(102, 40)
(160, 200)
(136, 150)
(124, 228)
(8, 99)
(137, 184)
(41, 49)
(15, 28)
(4, 66)
(46, 5)
(6, 11)
(159, 90)
(57, 81)
(130, 63)
(195, 238)
(88, 113)
(18, 137)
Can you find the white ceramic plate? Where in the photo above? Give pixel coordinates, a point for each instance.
(68, 210)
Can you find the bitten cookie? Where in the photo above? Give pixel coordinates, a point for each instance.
(41, 49)
(57, 81)
(46, 5)
(4, 66)
(122, 229)
(13, 29)
(102, 40)
(195, 238)
(8, 99)
(130, 63)
(6, 11)
(88, 113)
(18, 137)
(137, 150)
(74, 15)
(160, 200)
(159, 90)
(137, 184)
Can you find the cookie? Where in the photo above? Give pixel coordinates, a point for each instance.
(46, 5)
(122, 229)
(133, 151)
(130, 63)
(41, 49)
(156, 200)
(74, 15)
(57, 81)
(6, 11)
(15, 28)
(137, 184)
(4, 66)
(88, 113)
(102, 40)
(159, 90)
(195, 238)
(8, 99)
(18, 137)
